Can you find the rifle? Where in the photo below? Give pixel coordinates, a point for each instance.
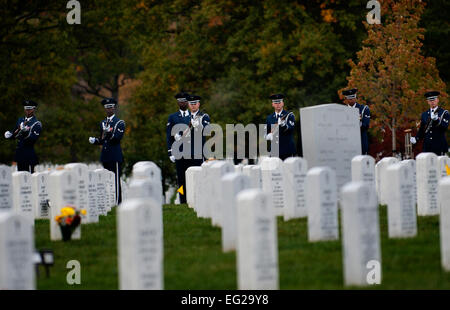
(430, 123)
(19, 131)
(198, 116)
(106, 130)
(276, 127)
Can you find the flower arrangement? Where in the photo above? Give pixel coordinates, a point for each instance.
(68, 220)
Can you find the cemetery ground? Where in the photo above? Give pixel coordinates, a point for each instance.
(193, 257)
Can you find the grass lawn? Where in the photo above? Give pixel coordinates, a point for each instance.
(193, 258)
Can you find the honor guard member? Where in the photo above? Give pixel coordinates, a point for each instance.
(182, 116)
(26, 132)
(111, 132)
(280, 127)
(364, 117)
(433, 125)
(199, 120)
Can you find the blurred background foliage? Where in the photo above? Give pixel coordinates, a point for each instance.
(232, 53)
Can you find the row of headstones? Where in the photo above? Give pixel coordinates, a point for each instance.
(140, 230)
(31, 194)
(24, 198)
(213, 190)
(139, 222)
(53, 167)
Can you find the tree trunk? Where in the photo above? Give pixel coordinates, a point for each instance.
(394, 138)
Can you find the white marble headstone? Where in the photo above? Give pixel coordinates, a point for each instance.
(254, 174)
(92, 210)
(257, 242)
(16, 252)
(62, 193)
(360, 233)
(81, 171)
(382, 183)
(321, 201)
(444, 222)
(101, 191)
(443, 164)
(204, 197)
(40, 195)
(273, 182)
(6, 203)
(148, 169)
(412, 164)
(110, 189)
(238, 168)
(232, 184)
(427, 183)
(402, 219)
(363, 169)
(192, 185)
(295, 169)
(217, 171)
(140, 245)
(22, 194)
(331, 137)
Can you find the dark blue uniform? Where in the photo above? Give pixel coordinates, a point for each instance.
(25, 156)
(433, 131)
(286, 140)
(183, 163)
(197, 155)
(364, 116)
(111, 132)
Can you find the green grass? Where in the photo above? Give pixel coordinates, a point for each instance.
(193, 258)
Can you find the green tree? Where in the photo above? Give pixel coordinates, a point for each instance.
(235, 55)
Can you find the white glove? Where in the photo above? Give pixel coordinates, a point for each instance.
(413, 140)
(177, 137)
(434, 116)
(8, 134)
(269, 137)
(24, 128)
(91, 140)
(172, 158)
(281, 123)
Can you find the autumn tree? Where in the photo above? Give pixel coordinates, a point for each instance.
(391, 73)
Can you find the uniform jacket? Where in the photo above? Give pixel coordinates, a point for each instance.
(111, 150)
(25, 153)
(204, 121)
(364, 116)
(175, 118)
(286, 140)
(433, 132)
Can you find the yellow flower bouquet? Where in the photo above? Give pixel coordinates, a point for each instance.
(68, 220)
